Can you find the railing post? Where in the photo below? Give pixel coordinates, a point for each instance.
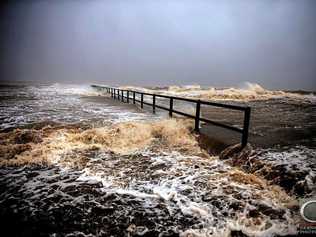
(170, 106)
(119, 94)
(245, 133)
(142, 100)
(154, 103)
(197, 116)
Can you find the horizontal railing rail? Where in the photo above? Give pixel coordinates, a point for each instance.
(122, 94)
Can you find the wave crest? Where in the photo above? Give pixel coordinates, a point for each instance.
(124, 138)
(121, 138)
(249, 91)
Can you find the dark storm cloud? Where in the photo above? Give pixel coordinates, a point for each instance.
(220, 43)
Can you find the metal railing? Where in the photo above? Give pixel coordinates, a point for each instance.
(120, 94)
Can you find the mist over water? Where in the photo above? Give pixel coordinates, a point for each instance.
(75, 162)
(213, 43)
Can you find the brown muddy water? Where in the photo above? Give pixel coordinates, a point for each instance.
(76, 163)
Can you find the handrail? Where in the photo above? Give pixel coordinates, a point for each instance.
(119, 94)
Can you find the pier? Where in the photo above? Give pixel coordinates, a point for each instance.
(134, 97)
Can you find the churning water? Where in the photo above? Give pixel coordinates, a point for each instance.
(74, 162)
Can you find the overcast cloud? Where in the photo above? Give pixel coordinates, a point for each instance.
(214, 43)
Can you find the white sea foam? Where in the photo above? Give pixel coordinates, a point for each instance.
(60, 103)
(184, 189)
(295, 159)
(248, 91)
(216, 197)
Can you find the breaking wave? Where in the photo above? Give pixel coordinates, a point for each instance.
(21, 147)
(160, 167)
(60, 104)
(249, 91)
(84, 166)
(64, 89)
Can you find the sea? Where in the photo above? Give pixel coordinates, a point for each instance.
(76, 162)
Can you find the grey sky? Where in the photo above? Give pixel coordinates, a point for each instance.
(216, 43)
